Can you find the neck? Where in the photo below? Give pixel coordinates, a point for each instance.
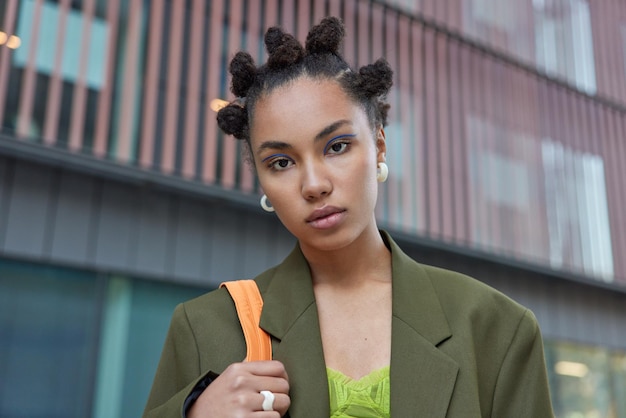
(365, 259)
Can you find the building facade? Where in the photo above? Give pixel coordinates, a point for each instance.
(120, 198)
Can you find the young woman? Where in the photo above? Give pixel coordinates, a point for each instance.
(358, 328)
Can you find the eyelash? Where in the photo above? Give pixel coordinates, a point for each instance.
(338, 142)
(272, 164)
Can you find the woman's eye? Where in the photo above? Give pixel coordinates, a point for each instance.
(280, 164)
(337, 148)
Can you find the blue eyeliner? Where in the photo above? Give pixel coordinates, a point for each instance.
(335, 138)
(274, 156)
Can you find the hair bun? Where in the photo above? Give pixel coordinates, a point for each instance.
(233, 120)
(273, 39)
(243, 71)
(283, 48)
(326, 36)
(375, 79)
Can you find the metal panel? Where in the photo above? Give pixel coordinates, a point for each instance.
(71, 238)
(282, 241)
(28, 210)
(192, 230)
(151, 84)
(116, 227)
(6, 175)
(230, 147)
(173, 85)
(259, 244)
(83, 221)
(153, 234)
(129, 99)
(214, 32)
(29, 78)
(55, 87)
(193, 84)
(79, 100)
(431, 140)
(104, 98)
(223, 258)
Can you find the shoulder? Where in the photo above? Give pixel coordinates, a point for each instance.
(459, 295)
(215, 310)
(211, 303)
(209, 317)
(467, 294)
(479, 313)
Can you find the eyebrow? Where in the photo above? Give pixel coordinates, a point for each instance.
(279, 145)
(331, 128)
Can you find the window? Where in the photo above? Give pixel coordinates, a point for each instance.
(618, 375)
(501, 24)
(564, 45)
(48, 341)
(503, 190)
(135, 321)
(47, 43)
(577, 210)
(585, 381)
(68, 338)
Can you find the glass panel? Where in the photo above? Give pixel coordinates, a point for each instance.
(618, 368)
(48, 339)
(55, 53)
(577, 202)
(503, 183)
(47, 43)
(136, 319)
(502, 24)
(564, 44)
(579, 380)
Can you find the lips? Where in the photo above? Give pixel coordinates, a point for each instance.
(323, 212)
(325, 217)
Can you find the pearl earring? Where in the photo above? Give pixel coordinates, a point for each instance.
(266, 205)
(382, 172)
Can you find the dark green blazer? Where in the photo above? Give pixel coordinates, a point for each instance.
(459, 348)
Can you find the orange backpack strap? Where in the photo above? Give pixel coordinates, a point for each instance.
(249, 304)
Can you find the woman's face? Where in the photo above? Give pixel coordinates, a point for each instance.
(316, 157)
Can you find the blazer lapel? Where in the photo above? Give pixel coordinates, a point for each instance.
(290, 315)
(422, 377)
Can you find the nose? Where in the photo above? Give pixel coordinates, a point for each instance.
(315, 182)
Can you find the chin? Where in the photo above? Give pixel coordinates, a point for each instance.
(329, 240)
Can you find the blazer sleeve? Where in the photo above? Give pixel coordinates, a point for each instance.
(522, 386)
(178, 371)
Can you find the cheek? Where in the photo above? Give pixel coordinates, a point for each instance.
(278, 189)
(364, 181)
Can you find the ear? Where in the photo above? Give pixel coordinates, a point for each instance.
(381, 145)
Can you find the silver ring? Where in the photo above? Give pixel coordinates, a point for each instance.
(268, 402)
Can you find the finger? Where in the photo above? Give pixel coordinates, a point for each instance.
(257, 368)
(267, 368)
(273, 384)
(280, 402)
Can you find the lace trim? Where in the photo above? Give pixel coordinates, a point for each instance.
(367, 397)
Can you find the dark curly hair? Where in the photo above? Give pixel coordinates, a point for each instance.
(288, 60)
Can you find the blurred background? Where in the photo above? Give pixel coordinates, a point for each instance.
(119, 198)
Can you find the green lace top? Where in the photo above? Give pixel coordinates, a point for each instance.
(367, 397)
